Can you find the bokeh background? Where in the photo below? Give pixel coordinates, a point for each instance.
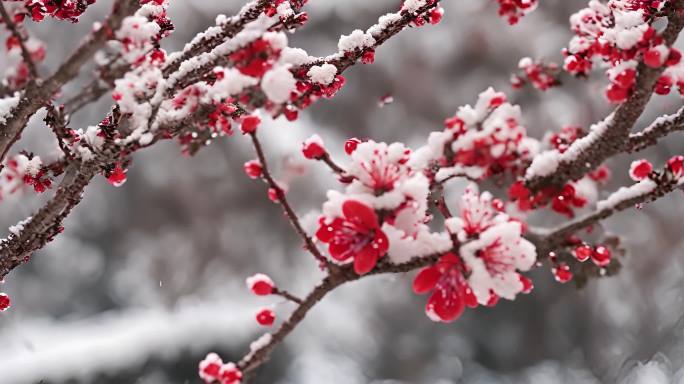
(149, 277)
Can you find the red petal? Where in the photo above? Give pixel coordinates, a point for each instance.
(426, 280)
(470, 298)
(448, 309)
(339, 251)
(325, 232)
(361, 213)
(365, 260)
(450, 259)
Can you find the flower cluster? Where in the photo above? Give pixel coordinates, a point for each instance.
(479, 141)
(213, 370)
(59, 9)
(568, 198)
(17, 73)
(138, 39)
(541, 75)
(492, 254)
(600, 255)
(513, 10)
(620, 33)
(382, 211)
(25, 170)
(5, 302)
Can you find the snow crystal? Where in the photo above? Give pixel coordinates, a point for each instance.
(543, 164)
(659, 122)
(284, 10)
(251, 32)
(258, 278)
(261, 342)
(257, 344)
(295, 56)
(619, 68)
(404, 247)
(413, 5)
(314, 139)
(525, 62)
(93, 138)
(586, 188)
(33, 166)
(17, 228)
(278, 84)
(628, 30)
(473, 173)
(547, 162)
(322, 74)
(596, 131)
(358, 39)
(641, 188)
(7, 104)
(278, 40)
(384, 22)
(233, 83)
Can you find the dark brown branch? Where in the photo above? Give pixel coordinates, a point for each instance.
(335, 279)
(289, 212)
(332, 165)
(346, 60)
(209, 41)
(287, 295)
(56, 120)
(547, 241)
(35, 97)
(42, 227)
(615, 138)
(14, 30)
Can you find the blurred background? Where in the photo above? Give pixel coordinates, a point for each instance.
(149, 277)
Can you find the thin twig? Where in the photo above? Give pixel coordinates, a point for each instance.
(660, 128)
(287, 295)
(289, 212)
(332, 165)
(35, 97)
(26, 55)
(548, 240)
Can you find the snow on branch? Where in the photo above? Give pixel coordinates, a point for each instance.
(638, 85)
(659, 128)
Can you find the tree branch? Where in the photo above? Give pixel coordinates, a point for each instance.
(660, 128)
(35, 97)
(335, 279)
(289, 212)
(583, 156)
(215, 36)
(42, 227)
(664, 183)
(14, 30)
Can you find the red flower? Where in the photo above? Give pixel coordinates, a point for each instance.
(250, 124)
(117, 176)
(357, 235)
(260, 284)
(4, 302)
(450, 291)
(265, 317)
